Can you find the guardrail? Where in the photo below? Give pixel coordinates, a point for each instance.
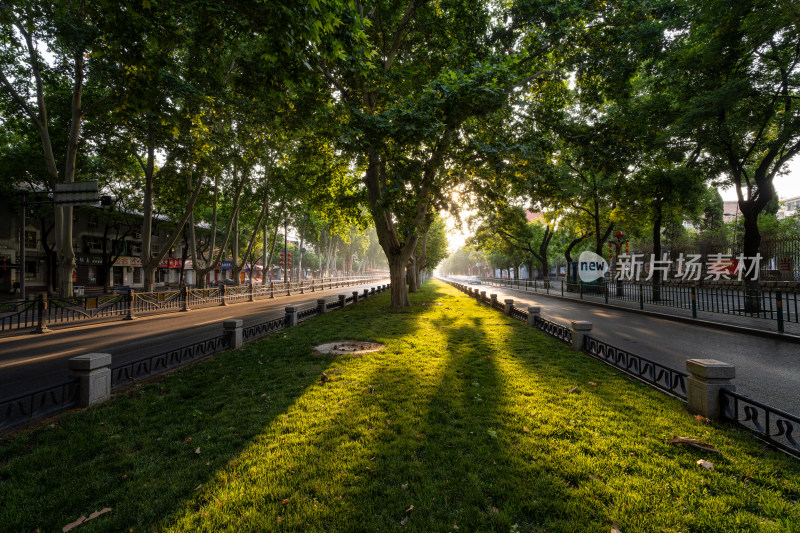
(38, 314)
(778, 427)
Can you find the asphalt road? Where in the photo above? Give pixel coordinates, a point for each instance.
(29, 361)
(767, 370)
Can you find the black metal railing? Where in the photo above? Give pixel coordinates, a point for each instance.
(264, 328)
(127, 373)
(18, 315)
(554, 329)
(769, 424)
(659, 376)
(307, 312)
(39, 403)
(519, 314)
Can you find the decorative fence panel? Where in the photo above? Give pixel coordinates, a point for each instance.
(39, 403)
(767, 423)
(127, 373)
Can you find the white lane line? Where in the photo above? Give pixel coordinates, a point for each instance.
(26, 360)
(211, 321)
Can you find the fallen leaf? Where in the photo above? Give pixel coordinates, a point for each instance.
(573, 389)
(495, 510)
(404, 521)
(615, 528)
(404, 486)
(525, 429)
(198, 486)
(187, 441)
(197, 451)
(455, 527)
(694, 443)
(284, 502)
(702, 419)
(596, 478)
(410, 509)
(593, 384)
(708, 465)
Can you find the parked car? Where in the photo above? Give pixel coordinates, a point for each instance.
(474, 280)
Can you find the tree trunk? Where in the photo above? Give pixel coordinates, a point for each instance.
(397, 276)
(236, 268)
(411, 269)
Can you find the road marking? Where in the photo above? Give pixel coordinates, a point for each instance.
(212, 321)
(27, 360)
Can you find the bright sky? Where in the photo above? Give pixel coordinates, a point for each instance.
(787, 186)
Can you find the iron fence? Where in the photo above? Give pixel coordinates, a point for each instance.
(775, 301)
(127, 373)
(769, 424)
(39, 403)
(659, 376)
(562, 333)
(264, 328)
(43, 311)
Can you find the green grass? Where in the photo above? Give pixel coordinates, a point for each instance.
(465, 416)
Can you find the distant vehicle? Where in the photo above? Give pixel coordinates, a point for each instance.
(474, 280)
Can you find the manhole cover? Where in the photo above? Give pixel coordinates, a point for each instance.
(348, 347)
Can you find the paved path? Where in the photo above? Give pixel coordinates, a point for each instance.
(767, 369)
(29, 361)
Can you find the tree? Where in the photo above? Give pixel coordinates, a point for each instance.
(736, 66)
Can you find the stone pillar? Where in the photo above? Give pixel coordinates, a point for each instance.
(707, 378)
(493, 299)
(483, 296)
(355, 297)
(579, 331)
(343, 299)
(366, 293)
(322, 306)
(533, 314)
(509, 306)
(94, 375)
(291, 316)
(185, 299)
(233, 328)
(372, 291)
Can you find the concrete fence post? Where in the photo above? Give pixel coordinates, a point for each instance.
(355, 297)
(322, 306)
(92, 369)
(343, 299)
(707, 378)
(291, 316)
(493, 300)
(372, 291)
(533, 314)
(233, 328)
(580, 329)
(366, 293)
(483, 296)
(41, 324)
(509, 306)
(185, 291)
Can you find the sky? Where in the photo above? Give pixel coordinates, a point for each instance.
(787, 186)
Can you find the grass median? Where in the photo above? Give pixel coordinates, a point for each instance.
(467, 421)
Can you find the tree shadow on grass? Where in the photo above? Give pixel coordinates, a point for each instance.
(152, 448)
